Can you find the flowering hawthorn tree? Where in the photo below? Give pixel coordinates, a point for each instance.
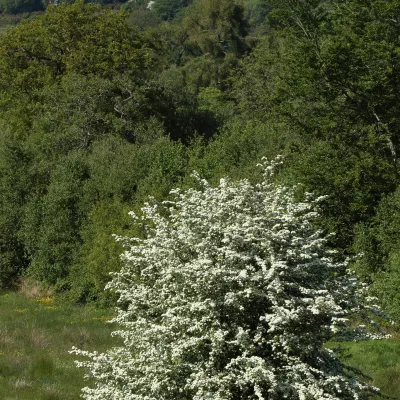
(231, 296)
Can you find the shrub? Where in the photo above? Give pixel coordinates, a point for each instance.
(378, 246)
(231, 295)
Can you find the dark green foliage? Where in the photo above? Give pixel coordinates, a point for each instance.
(140, 16)
(256, 12)
(21, 6)
(217, 27)
(354, 177)
(328, 72)
(99, 254)
(345, 150)
(75, 38)
(378, 246)
(237, 150)
(77, 142)
(167, 9)
(14, 186)
(213, 39)
(52, 237)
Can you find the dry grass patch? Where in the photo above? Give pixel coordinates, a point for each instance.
(7, 337)
(40, 338)
(32, 290)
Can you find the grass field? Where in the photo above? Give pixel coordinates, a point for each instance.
(380, 360)
(36, 335)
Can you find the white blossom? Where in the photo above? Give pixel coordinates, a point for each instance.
(231, 295)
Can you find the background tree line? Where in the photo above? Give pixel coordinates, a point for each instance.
(101, 108)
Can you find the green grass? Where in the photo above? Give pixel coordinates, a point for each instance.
(35, 337)
(378, 359)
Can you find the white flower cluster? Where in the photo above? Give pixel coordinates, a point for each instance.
(231, 296)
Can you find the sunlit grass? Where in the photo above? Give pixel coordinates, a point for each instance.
(377, 359)
(35, 337)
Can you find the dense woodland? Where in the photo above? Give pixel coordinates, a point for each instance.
(103, 105)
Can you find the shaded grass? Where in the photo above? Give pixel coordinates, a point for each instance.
(35, 337)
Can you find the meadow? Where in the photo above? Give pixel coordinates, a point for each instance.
(379, 361)
(37, 333)
(35, 337)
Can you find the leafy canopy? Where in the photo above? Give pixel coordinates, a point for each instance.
(78, 38)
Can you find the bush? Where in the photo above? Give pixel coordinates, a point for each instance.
(231, 295)
(378, 245)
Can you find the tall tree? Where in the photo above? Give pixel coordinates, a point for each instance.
(328, 73)
(80, 38)
(167, 9)
(217, 27)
